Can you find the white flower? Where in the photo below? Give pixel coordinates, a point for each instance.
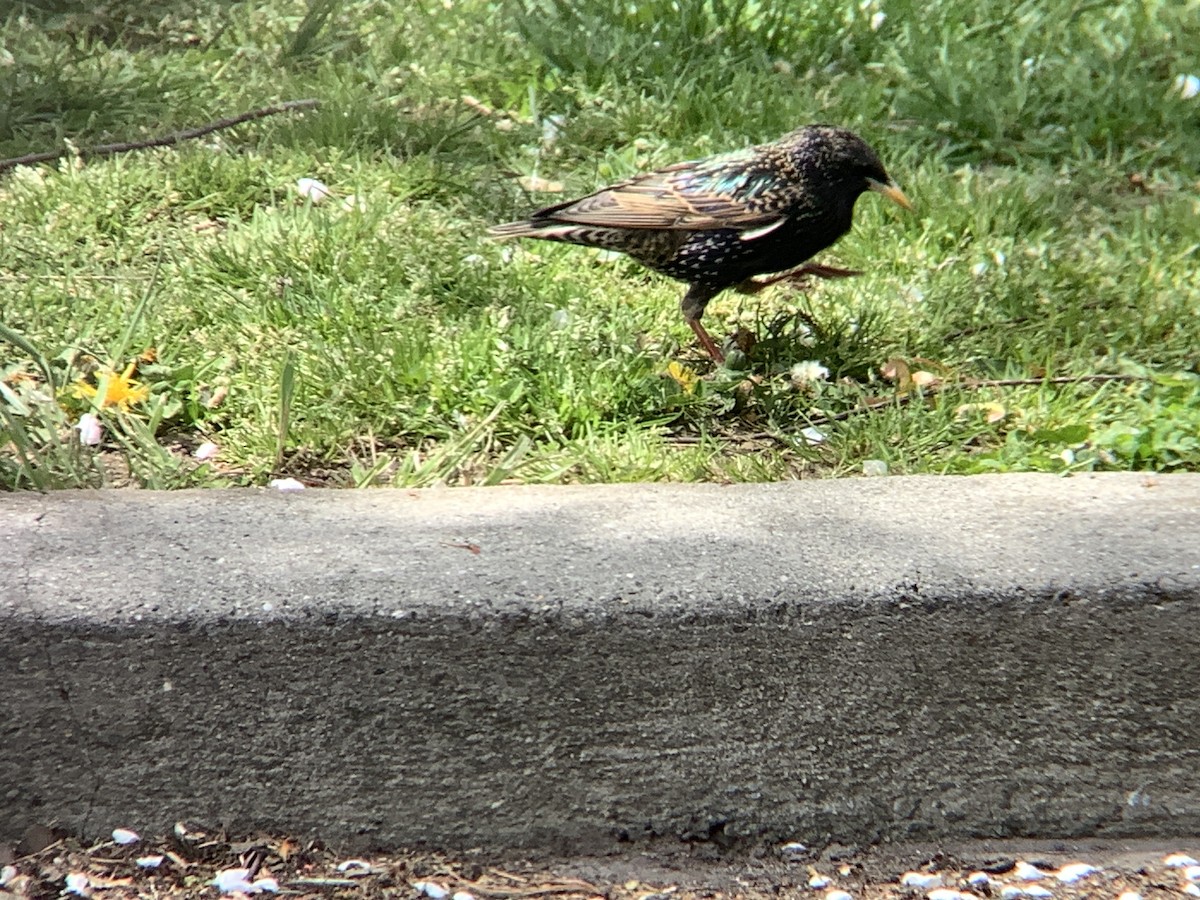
(125, 836)
(207, 450)
(809, 370)
(89, 429)
(313, 190)
(285, 484)
(877, 20)
(1188, 86)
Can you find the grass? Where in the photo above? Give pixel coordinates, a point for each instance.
(386, 340)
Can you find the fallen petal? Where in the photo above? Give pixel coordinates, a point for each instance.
(354, 867)
(125, 836)
(1188, 86)
(207, 450)
(920, 880)
(1179, 861)
(229, 880)
(1074, 871)
(77, 883)
(313, 190)
(431, 889)
(285, 484)
(150, 862)
(89, 429)
(7, 874)
(1027, 872)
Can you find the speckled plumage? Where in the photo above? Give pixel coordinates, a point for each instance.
(718, 222)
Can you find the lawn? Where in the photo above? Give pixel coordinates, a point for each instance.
(1040, 310)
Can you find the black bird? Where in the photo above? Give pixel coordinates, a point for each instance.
(717, 222)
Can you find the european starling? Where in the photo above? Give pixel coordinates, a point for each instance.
(718, 222)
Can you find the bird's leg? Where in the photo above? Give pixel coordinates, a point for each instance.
(796, 273)
(693, 304)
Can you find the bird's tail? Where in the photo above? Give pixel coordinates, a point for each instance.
(524, 228)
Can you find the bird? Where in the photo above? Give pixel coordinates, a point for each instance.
(721, 221)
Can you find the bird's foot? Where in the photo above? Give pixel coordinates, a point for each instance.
(707, 342)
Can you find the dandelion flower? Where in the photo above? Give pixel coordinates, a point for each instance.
(119, 390)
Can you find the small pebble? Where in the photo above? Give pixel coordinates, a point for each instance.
(921, 880)
(1179, 861)
(125, 836)
(874, 467)
(1074, 871)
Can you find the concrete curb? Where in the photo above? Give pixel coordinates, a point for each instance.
(922, 658)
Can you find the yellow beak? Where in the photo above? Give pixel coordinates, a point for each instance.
(890, 191)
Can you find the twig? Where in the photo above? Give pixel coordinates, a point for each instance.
(165, 140)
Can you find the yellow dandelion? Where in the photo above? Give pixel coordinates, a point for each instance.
(119, 390)
(685, 377)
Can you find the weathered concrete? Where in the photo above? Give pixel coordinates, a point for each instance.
(912, 658)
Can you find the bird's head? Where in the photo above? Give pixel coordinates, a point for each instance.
(841, 157)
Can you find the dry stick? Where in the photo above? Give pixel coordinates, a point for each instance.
(165, 140)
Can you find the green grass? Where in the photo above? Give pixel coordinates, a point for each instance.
(1050, 155)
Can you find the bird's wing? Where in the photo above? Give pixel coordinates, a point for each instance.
(733, 191)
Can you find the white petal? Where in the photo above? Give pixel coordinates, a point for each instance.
(1192, 889)
(1074, 871)
(150, 862)
(816, 882)
(354, 867)
(207, 450)
(838, 895)
(311, 189)
(1188, 86)
(1130, 895)
(920, 880)
(431, 889)
(463, 895)
(265, 884)
(229, 880)
(89, 429)
(1010, 891)
(1036, 890)
(877, 20)
(792, 848)
(1179, 861)
(812, 435)
(125, 836)
(1191, 873)
(77, 883)
(285, 484)
(948, 894)
(1026, 872)
(7, 874)
(979, 878)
